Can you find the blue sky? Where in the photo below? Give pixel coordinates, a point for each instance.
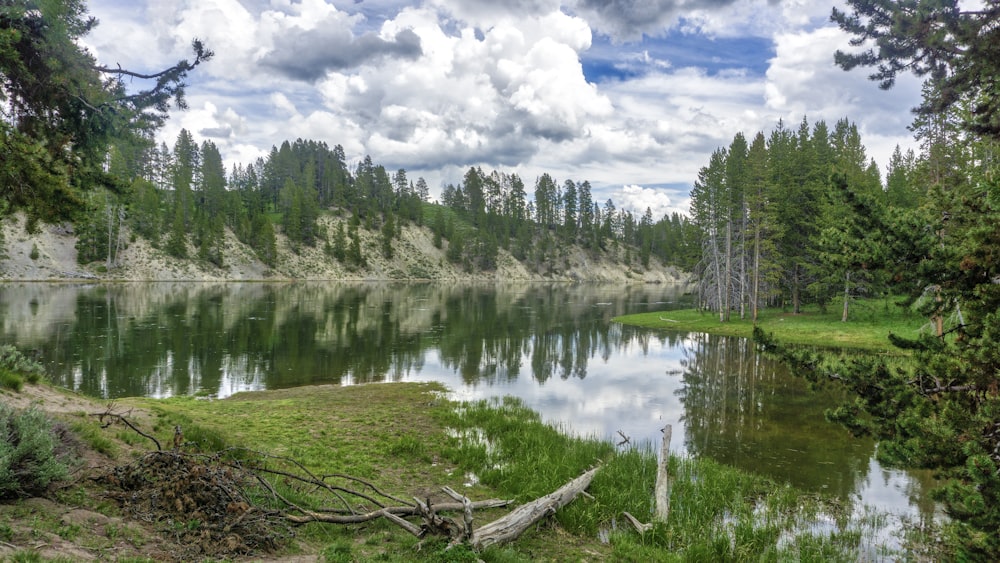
(606, 61)
(631, 95)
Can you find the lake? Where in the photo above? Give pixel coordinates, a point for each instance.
(552, 345)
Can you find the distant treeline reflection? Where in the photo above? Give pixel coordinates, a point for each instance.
(176, 339)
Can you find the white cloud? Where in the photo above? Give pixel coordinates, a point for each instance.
(495, 84)
(802, 80)
(638, 198)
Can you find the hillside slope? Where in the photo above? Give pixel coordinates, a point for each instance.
(415, 258)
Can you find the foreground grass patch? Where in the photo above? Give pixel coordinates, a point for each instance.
(369, 431)
(410, 441)
(867, 328)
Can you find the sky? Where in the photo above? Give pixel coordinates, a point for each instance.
(631, 95)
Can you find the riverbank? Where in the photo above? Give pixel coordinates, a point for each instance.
(867, 328)
(408, 440)
(50, 255)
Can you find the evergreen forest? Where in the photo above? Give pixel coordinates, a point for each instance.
(183, 200)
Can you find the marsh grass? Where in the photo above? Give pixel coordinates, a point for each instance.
(867, 328)
(717, 513)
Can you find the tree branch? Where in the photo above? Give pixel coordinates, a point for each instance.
(123, 419)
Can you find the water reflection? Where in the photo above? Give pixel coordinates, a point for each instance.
(551, 345)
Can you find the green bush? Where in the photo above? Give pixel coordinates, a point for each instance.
(34, 252)
(10, 380)
(28, 458)
(14, 364)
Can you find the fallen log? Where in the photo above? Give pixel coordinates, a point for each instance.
(337, 516)
(511, 526)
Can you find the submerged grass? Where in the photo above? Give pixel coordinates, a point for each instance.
(410, 441)
(867, 328)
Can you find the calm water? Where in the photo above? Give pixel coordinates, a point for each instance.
(551, 345)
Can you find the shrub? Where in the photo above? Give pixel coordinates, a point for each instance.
(28, 460)
(34, 252)
(10, 380)
(13, 364)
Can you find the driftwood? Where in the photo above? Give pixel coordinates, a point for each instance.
(337, 516)
(511, 526)
(109, 417)
(661, 492)
(502, 530)
(662, 489)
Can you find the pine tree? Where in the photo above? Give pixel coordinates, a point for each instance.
(210, 212)
(388, 233)
(291, 204)
(144, 211)
(185, 160)
(63, 111)
(570, 210)
(340, 243)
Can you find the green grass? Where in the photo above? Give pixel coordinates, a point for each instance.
(89, 430)
(867, 328)
(410, 442)
(10, 380)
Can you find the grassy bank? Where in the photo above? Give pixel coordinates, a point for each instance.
(867, 328)
(409, 440)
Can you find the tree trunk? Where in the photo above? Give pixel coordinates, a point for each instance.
(847, 295)
(729, 268)
(662, 489)
(796, 300)
(755, 294)
(661, 492)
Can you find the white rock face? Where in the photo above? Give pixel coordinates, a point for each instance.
(415, 258)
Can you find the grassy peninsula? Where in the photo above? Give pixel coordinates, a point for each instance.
(867, 328)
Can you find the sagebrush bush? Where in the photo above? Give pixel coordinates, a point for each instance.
(15, 367)
(28, 452)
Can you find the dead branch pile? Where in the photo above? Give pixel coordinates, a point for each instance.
(201, 500)
(242, 502)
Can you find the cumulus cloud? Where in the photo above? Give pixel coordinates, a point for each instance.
(630, 19)
(660, 201)
(309, 55)
(223, 132)
(802, 80)
(484, 14)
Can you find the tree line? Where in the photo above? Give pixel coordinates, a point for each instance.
(183, 200)
(793, 217)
